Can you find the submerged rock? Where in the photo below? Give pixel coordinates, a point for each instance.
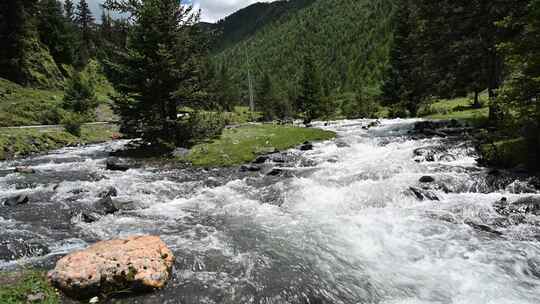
(447, 158)
(16, 201)
(90, 217)
(427, 179)
(261, 159)
(114, 164)
(141, 263)
(275, 172)
(482, 227)
(11, 250)
(529, 205)
(106, 206)
(24, 170)
(525, 205)
(250, 168)
(307, 146)
(423, 194)
(110, 192)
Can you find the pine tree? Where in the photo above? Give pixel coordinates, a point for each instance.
(158, 73)
(309, 100)
(405, 87)
(266, 101)
(85, 21)
(55, 32)
(226, 92)
(18, 36)
(106, 27)
(521, 92)
(69, 10)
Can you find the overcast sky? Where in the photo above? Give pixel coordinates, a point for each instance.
(212, 10)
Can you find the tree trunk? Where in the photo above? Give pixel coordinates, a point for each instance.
(476, 103)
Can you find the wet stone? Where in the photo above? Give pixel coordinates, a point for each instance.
(11, 250)
(16, 201)
(116, 165)
(275, 172)
(250, 168)
(427, 179)
(109, 192)
(422, 194)
(307, 146)
(24, 170)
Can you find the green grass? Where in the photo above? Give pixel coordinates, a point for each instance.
(459, 109)
(16, 287)
(240, 115)
(243, 144)
(24, 142)
(25, 106)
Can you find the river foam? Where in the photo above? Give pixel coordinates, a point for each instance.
(345, 230)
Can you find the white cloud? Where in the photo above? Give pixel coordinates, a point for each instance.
(211, 10)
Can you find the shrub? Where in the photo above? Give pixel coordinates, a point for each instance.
(80, 96)
(73, 124)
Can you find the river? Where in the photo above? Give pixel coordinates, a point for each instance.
(340, 225)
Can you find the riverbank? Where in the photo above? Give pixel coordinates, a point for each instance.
(28, 286)
(17, 143)
(498, 147)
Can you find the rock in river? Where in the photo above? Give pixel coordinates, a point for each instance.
(24, 170)
(114, 164)
(141, 263)
(16, 201)
(307, 146)
(427, 179)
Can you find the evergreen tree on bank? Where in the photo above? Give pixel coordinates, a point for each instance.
(85, 21)
(158, 72)
(69, 10)
(56, 32)
(521, 91)
(310, 96)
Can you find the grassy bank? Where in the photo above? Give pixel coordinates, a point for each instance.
(20, 287)
(24, 106)
(501, 148)
(241, 145)
(459, 109)
(23, 142)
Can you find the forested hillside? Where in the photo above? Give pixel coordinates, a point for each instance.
(247, 21)
(348, 40)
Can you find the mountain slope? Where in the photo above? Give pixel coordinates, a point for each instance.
(349, 40)
(247, 21)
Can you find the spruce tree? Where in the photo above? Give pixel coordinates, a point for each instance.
(18, 37)
(55, 32)
(158, 73)
(265, 98)
(69, 10)
(309, 100)
(85, 21)
(226, 91)
(406, 84)
(521, 92)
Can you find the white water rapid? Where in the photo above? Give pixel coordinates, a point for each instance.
(347, 228)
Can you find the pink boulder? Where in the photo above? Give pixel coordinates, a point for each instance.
(140, 263)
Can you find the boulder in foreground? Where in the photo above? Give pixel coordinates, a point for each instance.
(141, 263)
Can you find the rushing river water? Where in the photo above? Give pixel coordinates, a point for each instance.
(341, 225)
